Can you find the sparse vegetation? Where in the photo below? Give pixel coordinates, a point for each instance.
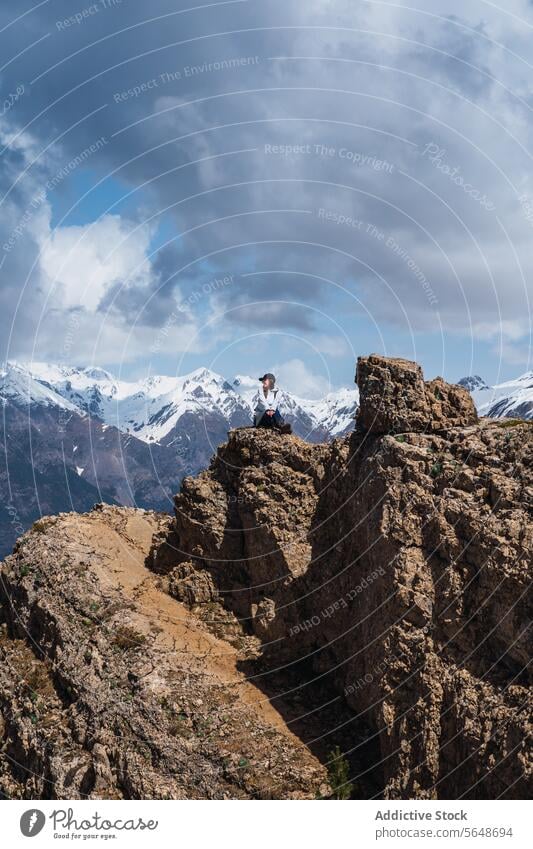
(515, 422)
(339, 774)
(178, 724)
(42, 525)
(37, 681)
(126, 638)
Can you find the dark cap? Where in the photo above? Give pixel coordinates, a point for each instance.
(269, 375)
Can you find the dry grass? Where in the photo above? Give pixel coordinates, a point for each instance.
(516, 423)
(126, 638)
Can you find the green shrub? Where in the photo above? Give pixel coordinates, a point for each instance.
(338, 775)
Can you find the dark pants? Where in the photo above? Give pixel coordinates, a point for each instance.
(270, 421)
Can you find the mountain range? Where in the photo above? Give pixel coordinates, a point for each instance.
(332, 621)
(512, 399)
(75, 436)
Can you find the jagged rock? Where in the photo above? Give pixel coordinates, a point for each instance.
(190, 586)
(128, 695)
(381, 582)
(413, 559)
(396, 399)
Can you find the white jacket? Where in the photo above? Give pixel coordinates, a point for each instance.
(262, 403)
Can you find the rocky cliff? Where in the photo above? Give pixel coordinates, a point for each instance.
(317, 620)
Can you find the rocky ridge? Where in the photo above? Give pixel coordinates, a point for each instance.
(371, 593)
(109, 688)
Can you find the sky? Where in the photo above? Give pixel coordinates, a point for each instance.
(261, 186)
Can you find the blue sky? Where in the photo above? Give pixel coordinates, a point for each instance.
(259, 186)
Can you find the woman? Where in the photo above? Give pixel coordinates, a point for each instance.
(266, 412)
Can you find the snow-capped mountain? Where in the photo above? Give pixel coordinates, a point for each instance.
(18, 384)
(71, 437)
(512, 399)
(150, 409)
(156, 408)
(473, 383)
(315, 420)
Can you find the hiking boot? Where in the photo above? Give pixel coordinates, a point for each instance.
(285, 428)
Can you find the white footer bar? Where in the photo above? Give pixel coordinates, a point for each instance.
(266, 825)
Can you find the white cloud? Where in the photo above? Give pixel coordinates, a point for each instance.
(454, 75)
(63, 276)
(516, 355)
(295, 376)
(510, 331)
(85, 261)
(104, 339)
(334, 346)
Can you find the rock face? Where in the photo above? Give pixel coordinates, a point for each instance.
(109, 688)
(395, 398)
(397, 567)
(371, 593)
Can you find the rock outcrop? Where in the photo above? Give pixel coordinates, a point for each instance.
(396, 399)
(397, 566)
(370, 594)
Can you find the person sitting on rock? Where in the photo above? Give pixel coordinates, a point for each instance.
(266, 411)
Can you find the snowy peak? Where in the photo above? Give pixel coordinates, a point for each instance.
(326, 417)
(473, 382)
(20, 387)
(511, 399)
(211, 383)
(153, 414)
(88, 389)
(97, 374)
(155, 407)
(203, 375)
(525, 381)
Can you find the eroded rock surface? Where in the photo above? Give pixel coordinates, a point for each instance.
(395, 398)
(372, 593)
(110, 688)
(398, 566)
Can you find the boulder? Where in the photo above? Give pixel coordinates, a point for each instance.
(394, 398)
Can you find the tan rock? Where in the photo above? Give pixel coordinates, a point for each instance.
(378, 598)
(395, 399)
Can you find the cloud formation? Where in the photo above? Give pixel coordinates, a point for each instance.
(366, 172)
